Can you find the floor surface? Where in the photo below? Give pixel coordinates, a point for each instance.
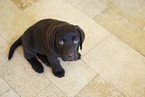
(112, 64)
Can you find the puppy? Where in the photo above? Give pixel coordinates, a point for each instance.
(47, 40)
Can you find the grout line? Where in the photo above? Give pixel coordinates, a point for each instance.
(88, 83)
(113, 85)
(4, 38)
(5, 91)
(116, 35)
(123, 41)
(42, 90)
(105, 79)
(90, 66)
(126, 18)
(76, 8)
(117, 11)
(97, 44)
(129, 46)
(82, 11)
(59, 89)
(100, 13)
(15, 91)
(56, 86)
(3, 63)
(10, 86)
(44, 87)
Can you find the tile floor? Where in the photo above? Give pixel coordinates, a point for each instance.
(112, 64)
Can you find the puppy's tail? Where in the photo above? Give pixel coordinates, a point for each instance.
(13, 47)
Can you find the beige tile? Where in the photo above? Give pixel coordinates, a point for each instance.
(123, 29)
(51, 91)
(100, 88)
(132, 10)
(77, 76)
(120, 65)
(90, 7)
(10, 93)
(3, 86)
(94, 32)
(144, 27)
(4, 46)
(21, 50)
(24, 3)
(13, 21)
(23, 79)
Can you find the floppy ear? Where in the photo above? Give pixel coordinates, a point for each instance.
(82, 35)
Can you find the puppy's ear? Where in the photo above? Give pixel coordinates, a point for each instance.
(82, 35)
(52, 34)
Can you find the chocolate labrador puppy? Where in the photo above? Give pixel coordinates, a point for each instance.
(47, 40)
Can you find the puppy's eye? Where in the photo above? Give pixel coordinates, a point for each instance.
(76, 41)
(61, 42)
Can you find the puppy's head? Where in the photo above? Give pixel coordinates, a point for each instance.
(67, 41)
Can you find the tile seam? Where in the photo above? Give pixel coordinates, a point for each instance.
(123, 41)
(5, 91)
(87, 83)
(122, 15)
(105, 79)
(56, 86)
(10, 86)
(97, 44)
(42, 90)
(83, 12)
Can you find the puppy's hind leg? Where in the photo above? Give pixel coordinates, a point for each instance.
(43, 58)
(36, 65)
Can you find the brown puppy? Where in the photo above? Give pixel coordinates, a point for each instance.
(49, 39)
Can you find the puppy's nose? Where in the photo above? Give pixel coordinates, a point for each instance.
(70, 54)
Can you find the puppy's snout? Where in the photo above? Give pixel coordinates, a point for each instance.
(70, 54)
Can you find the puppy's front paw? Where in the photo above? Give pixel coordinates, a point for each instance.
(59, 72)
